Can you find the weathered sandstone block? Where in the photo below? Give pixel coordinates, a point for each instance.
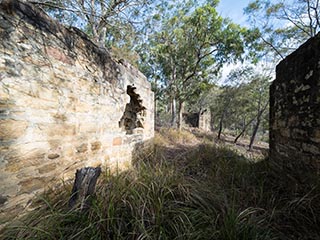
(295, 109)
(62, 102)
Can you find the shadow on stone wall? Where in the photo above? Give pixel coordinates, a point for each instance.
(69, 38)
(295, 109)
(61, 99)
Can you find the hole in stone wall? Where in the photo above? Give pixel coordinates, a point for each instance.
(132, 120)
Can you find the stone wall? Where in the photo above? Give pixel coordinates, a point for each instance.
(64, 104)
(205, 120)
(200, 120)
(295, 108)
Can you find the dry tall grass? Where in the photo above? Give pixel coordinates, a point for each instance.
(184, 188)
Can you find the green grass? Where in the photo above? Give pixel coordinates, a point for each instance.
(200, 191)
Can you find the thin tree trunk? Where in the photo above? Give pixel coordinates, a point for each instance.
(173, 113)
(255, 130)
(173, 94)
(198, 120)
(243, 130)
(256, 127)
(155, 117)
(102, 37)
(221, 125)
(180, 112)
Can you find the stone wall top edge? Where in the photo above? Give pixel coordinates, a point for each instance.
(40, 20)
(295, 54)
(137, 78)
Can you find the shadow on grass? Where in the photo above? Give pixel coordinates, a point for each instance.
(284, 202)
(177, 191)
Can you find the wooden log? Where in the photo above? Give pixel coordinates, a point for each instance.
(84, 187)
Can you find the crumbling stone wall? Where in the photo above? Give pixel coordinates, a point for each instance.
(63, 106)
(205, 120)
(134, 114)
(200, 120)
(295, 108)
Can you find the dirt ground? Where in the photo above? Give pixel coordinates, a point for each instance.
(260, 149)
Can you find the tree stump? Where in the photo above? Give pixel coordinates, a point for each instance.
(84, 187)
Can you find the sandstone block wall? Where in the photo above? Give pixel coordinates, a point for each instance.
(205, 120)
(64, 104)
(200, 120)
(295, 108)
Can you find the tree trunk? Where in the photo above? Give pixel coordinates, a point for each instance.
(83, 187)
(220, 125)
(180, 112)
(155, 111)
(198, 120)
(243, 130)
(256, 127)
(102, 37)
(173, 113)
(155, 116)
(255, 130)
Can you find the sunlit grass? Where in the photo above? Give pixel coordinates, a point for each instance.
(173, 136)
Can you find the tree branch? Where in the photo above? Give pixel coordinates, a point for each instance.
(272, 46)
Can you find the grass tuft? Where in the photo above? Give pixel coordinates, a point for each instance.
(185, 188)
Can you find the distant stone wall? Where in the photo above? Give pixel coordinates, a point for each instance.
(64, 104)
(295, 108)
(200, 120)
(205, 120)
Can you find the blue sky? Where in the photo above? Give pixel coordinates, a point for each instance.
(233, 9)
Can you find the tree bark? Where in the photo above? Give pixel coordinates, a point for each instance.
(83, 187)
(256, 127)
(255, 130)
(173, 94)
(198, 120)
(221, 124)
(155, 116)
(180, 112)
(173, 113)
(243, 130)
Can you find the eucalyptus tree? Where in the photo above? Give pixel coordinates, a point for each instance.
(109, 23)
(258, 96)
(192, 47)
(284, 24)
(242, 115)
(203, 98)
(242, 103)
(225, 106)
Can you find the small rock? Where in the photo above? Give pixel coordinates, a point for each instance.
(53, 156)
(3, 200)
(82, 148)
